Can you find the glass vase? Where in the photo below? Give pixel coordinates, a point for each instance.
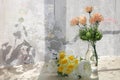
(94, 74)
(91, 55)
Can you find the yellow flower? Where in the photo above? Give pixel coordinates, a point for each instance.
(82, 20)
(67, 63)
(89, 9)
(64, 61)
(60, 69)
(59, 61)
(74, 21)
(71, 57)
(61, 54)
(76, 61)
(70, 66)
(68, 71)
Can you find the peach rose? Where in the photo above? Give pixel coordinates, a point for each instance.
(89, 9)
(97, 17)
(92, 21)
(74, 21)
(82, 20)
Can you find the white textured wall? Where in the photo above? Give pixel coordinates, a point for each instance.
(22, 37)
(31, 30)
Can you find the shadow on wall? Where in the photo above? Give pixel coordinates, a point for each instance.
(111, 32)
(55, 22)
(22, 52)
(16, 56)
(19, 53)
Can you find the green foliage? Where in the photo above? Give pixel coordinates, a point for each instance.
(79, 77)
(90, 34)
(81, 58)
(62, 75)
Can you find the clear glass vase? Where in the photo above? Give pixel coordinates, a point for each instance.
(94, 74)
(91, 55)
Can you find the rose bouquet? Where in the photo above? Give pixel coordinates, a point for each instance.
(89, 31)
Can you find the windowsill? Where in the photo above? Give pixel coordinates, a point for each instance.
(109, 69)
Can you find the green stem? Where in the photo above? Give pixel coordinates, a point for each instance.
(89, 16)
(96, 56)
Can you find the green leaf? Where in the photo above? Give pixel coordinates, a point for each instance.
(88, 35)
(98, 35)
(81, 58)
(79, 76)
(84, 38)
(59, 73)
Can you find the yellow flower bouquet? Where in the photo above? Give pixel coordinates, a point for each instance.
(66, 64)
(69, 67)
